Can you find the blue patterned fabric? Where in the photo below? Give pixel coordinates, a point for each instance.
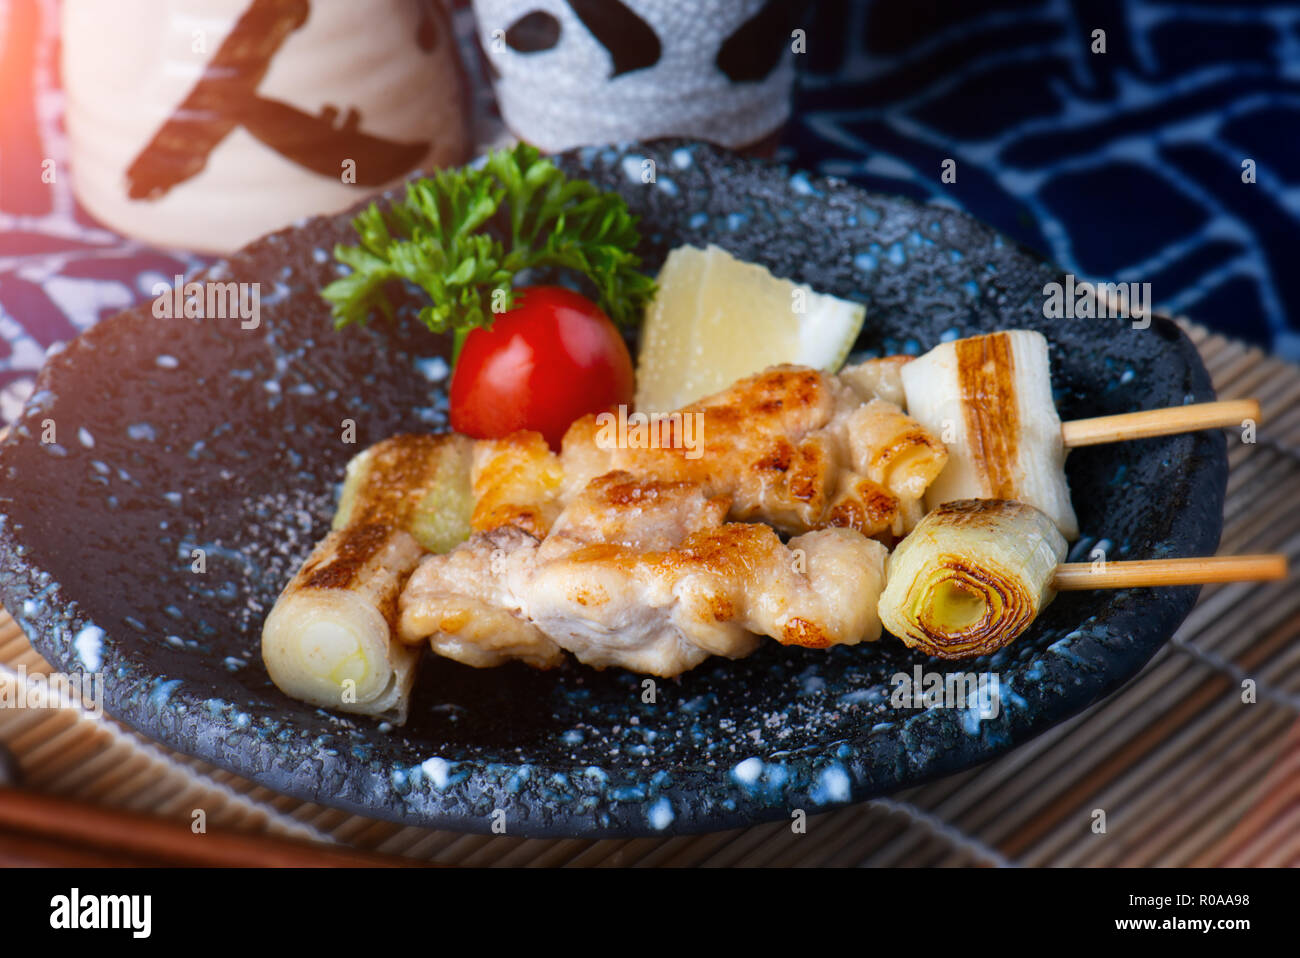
(1122, 166)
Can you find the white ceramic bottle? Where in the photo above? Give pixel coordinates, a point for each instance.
(204, 124)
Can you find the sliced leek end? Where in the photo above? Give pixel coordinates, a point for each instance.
(971, 577)
(955, 606)
(333, 649)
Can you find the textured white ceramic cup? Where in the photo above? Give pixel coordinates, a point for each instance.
(575, 72)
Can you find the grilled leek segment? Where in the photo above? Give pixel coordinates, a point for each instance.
(971, 577)
(419, 483)
(330, 639)
(989, 398)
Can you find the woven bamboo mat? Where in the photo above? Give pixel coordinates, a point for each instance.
(1184, 770)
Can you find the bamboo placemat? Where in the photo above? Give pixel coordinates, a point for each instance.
(1184, 770)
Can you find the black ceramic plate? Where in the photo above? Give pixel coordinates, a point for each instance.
(175, 435)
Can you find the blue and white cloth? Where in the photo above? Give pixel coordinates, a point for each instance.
(1125, 165)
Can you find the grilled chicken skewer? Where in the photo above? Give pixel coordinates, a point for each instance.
(792, 447)
(974, 574)
(620, 552)
(645, 575)
(329, 638)
(990, 400)
(562, 558)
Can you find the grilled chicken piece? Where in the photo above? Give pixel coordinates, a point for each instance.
(620, 509)
(468, 603)
(516, 482)
(790, 446)
(663, 612)
(893, 449)
(878, 379)
(643, 575)
(871, 509)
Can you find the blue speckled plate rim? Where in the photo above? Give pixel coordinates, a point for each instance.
(1107, 659)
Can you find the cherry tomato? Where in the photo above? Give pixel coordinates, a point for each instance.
(551, 359)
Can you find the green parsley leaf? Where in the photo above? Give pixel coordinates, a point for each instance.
(463, 235)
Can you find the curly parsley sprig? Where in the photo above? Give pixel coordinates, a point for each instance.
(463, 235)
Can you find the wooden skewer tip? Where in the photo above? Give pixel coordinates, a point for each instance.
(1141, 573)
(1224, 414)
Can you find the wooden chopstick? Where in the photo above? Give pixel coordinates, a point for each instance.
(1073, 576)
(140, 838)
(1228, 413)
(38, 851)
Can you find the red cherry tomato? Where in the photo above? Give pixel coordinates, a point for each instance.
(551, 359)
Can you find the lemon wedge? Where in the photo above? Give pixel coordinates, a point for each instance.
(716, 319)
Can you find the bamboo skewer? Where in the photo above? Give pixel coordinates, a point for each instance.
(1140, 573)
(1159, 422)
